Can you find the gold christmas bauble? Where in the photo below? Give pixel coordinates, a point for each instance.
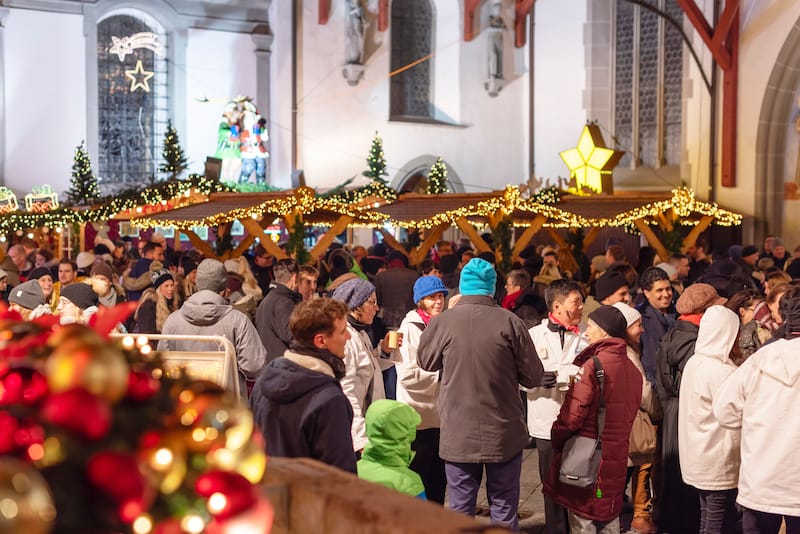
(25, 501)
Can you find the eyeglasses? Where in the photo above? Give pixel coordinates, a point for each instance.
(371, 302)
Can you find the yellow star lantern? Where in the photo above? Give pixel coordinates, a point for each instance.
(133, 74)
(591, 162)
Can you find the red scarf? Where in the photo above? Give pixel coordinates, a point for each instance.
(693, 318)
(572, 328)
(510, 301)
(425, 316)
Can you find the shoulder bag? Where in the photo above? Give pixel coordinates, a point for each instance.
(581, 457)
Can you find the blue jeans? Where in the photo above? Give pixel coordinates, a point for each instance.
(253, 164)
(717, 511)
(502, 489)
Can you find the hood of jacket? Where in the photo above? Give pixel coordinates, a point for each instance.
(780, 360)
(205, 308)
(613, 345)
(391, 428)
(717, 333)
(284, 381)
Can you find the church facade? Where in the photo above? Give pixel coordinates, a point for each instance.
(496, 88)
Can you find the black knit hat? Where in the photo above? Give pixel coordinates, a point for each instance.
(80, 294)
(606, 285)
(611, 320)
(39, 272)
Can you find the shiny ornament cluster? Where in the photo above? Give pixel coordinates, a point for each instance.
(95, 437)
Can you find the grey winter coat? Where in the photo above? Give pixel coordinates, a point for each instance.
(484, 353)
(206, 313)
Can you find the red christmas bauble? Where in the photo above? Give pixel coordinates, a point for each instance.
(78, 411)
(22, 385)
(116, 474)
(229, 493)
(142, 386)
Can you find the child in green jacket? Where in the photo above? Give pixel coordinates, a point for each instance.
(391, 428)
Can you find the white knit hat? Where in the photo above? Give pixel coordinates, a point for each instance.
(631, 314)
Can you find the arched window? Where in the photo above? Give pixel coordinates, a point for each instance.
(648, 73)
(131, 98)
(412, 39)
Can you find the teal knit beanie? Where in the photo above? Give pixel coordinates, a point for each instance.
(478, 278)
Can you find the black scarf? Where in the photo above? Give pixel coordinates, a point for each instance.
(361, 327)
(336, 363)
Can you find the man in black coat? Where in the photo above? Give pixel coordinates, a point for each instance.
(272, 315)
(297, 402)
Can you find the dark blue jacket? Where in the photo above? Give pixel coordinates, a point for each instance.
(303, 413)
(655, 325)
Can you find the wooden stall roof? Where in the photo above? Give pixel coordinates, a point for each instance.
(226, 207)
(415, 210)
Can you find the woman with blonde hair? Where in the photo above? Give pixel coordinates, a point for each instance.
(28, 300)
(250, 285)
(157, 302)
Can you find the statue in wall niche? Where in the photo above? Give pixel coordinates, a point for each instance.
(355, 27)
(494, 48)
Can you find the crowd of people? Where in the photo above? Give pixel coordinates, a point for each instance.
(424, 378)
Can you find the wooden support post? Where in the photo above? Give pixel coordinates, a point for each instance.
(470, 6)
(591, 236)
(255, 229)
(521, 11)
(433, 235)
(652, 239)
(324, 14)
(325, 241)
(241, 248)
(383, 15)
(528, 234)
(557, 238)
(465, 226)
(394, 243)
(691, 237)
(200, 244)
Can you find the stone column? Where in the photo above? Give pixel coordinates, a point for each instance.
(262, 38)
(3, 16)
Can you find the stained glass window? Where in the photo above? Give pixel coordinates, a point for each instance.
(412, 39)
(131, 99)
(655, 82)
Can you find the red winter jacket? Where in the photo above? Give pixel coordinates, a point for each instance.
(622, 389)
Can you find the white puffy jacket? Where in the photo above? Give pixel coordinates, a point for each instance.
(762, 398)
(415, 386)
(709, 452)
(545, 403)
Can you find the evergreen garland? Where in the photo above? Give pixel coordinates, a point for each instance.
(501, 236)
(295, 246)
(83, 185)
(174, 159)
(376, 162)
(437, 178)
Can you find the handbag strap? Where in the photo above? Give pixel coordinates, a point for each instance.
(600, 373)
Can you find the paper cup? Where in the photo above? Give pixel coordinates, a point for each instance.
(394, 337)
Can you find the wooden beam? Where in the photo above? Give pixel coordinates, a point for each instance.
(527, 235)
(324, 11)
(394, 243)
(248, 240)
(557, 238)
(383, 15)
(254, 228)
(591, 236)
(200, 244)
(730, 95)
(465, 226)
(652, 239)
(691, 237)
(325, 241)
(727, 20)
(698, 20)
(521, 11)
(432, 236)
(470, 6)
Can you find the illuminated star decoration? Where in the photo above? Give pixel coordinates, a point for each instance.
(591, 162)
(122, 46)
(133, 74)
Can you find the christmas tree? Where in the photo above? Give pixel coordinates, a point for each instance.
(83, 186)
(437, 178)
(376, 162)
(172, 153)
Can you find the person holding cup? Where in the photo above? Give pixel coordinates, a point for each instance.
(363, 381)
(420, 389)
(558, 339)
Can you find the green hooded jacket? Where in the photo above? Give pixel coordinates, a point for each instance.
(391, 428)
